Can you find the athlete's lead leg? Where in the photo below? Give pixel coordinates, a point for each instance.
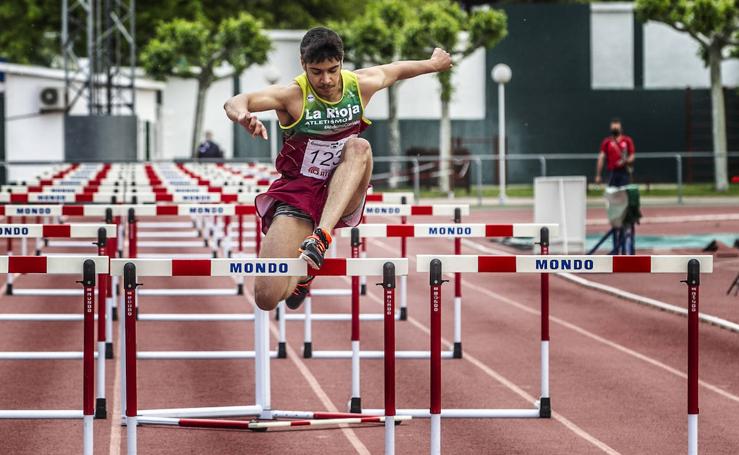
(345, 195)
(349, 183)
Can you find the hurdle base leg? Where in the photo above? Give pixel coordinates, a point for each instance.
(215, 254)
(109, 350)
(100, 409)
(355, 405)
(457, 352)
(277, 313)
(307, 350)
(545, 408)
(240, 289)
(281, 350)
(115, 313)
(404, 314)
(363, 289)
(9, 289)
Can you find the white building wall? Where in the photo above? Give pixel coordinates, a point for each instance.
(40, 137)
(36, 138)
(671, 60)
(612, 45)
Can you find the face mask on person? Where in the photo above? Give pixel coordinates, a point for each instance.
(616, 131)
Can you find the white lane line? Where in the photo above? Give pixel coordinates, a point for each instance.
(314, 385)
(578, 431)
(605, 341)
(622, 294)
(513, 387)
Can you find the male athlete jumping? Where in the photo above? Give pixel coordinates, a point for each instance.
(325, 166)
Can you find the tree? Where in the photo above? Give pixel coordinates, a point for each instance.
(376, 38)
(30, 31)
(714, 24)
(440, 23)
(195, 49)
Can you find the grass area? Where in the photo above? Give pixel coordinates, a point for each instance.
(527, 191)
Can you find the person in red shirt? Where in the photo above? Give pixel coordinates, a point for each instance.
(617, 151)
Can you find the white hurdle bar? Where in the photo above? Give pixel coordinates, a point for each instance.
(131, 268)
(89, 266)
(75, 230)
(692, 266)
(404, 210)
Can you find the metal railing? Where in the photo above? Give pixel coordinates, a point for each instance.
(478, 160)
(678, 158)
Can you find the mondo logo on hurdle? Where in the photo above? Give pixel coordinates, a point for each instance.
(130, 269)
(436, 265)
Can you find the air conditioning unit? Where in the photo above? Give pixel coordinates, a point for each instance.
(51, 99)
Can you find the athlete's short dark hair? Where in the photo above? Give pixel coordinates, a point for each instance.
(615, 120)
(320, 44)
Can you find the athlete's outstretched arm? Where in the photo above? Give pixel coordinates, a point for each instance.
(239, 108)
(376, 78)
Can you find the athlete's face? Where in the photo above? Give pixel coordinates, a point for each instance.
(325, 77)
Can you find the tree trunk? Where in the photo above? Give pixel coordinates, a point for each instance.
(394, 139)
(718, 117)
(445, 147)
(197, 130)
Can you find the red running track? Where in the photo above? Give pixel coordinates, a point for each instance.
(617, 371)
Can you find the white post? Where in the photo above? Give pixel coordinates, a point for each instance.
(87, 445)
(544, 369)
(101, 370)
(692, 434)
(435, 434)
(403, 293)
(131, 424)
(501, 143)
(457, 319)
(501, 74)
(307, 327)
(355, 369)
(261, 358)
(389, 435)
(109, 310)
(122, 352)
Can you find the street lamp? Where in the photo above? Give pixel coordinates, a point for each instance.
(272, 75)
(501, 74)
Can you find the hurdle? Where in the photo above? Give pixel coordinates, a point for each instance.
(371, 209)
(692, 266)
(456, 231)
(404, 211)
(74, 230)
(65, 265)
(132, 268)
(198, 211)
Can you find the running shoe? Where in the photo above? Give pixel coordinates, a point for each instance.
(314, 247)
(301, 291)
